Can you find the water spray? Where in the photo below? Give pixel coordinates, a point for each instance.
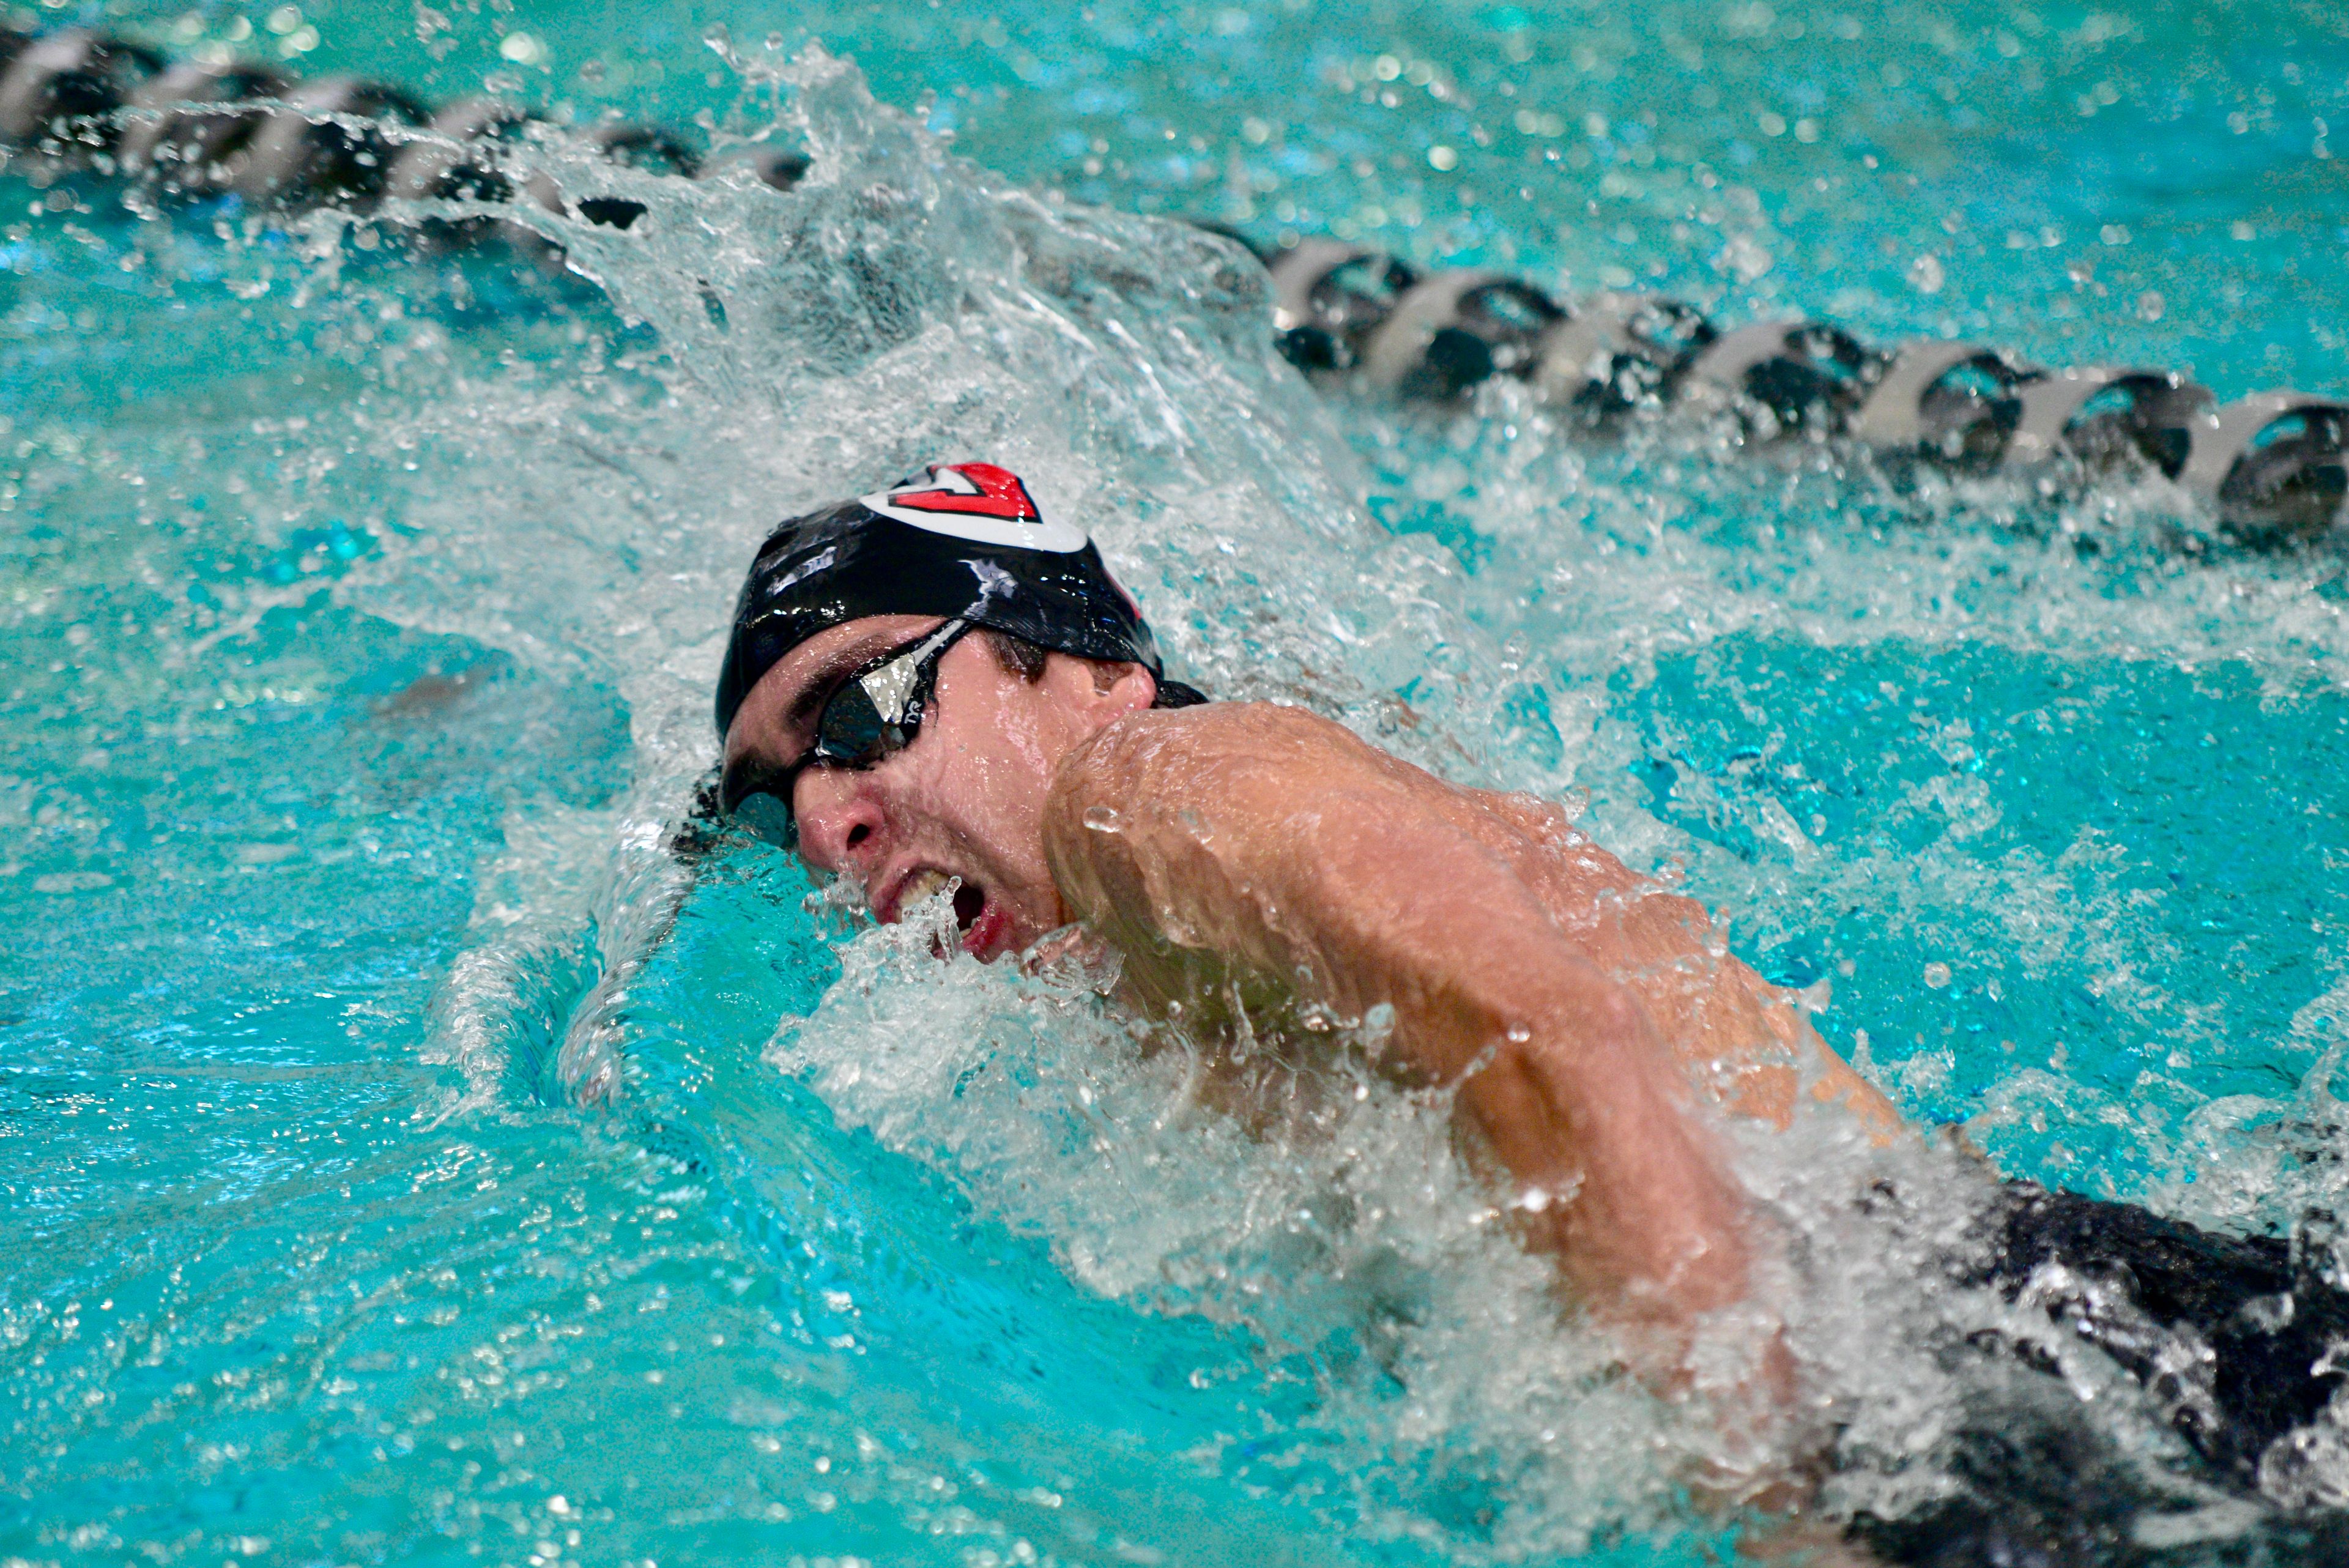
(2273, 467)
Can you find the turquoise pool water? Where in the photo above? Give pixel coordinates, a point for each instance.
(408, 1161)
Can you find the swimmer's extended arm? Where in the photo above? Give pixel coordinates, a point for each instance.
(1266, 840)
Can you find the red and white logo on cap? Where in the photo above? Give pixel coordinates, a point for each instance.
(978, 501)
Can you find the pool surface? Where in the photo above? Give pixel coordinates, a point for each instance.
(409, 1160)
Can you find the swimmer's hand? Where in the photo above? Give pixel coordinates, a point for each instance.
(1262, 844)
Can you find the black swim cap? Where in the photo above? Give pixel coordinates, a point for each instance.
(962, 540)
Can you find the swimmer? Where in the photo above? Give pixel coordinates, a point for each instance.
(938, 685)
(936, 688)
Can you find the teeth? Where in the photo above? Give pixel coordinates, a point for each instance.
(922, 885)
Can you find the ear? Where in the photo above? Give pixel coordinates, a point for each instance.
(1128, 687)
(1102, 691)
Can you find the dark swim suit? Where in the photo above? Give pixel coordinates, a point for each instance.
(2041, 1487)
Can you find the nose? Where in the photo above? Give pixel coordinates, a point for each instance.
(840, 819)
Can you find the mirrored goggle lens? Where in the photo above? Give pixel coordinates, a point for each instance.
(767, 817)
(850, 731)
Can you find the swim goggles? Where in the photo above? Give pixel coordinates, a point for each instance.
(871, 715)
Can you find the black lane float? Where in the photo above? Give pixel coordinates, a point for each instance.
(2273, 467)
(75, 101)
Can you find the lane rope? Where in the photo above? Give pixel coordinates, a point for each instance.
(2273, 467)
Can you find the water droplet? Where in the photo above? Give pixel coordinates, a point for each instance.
(1102, 819)
(1937, 975)
(1925, 274)
(1534, 1199)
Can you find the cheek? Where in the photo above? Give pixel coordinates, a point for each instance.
(1007, 772)
(975, 784)
(1002, 748)
(987, 786)
(1009, 739)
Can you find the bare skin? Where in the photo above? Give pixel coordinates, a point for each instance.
(1242, 772)
(965, 801)
(1250, 850)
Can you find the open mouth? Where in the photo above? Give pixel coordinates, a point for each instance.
(970, 898)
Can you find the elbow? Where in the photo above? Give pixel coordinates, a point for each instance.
(1614, 1014)
(1581, 1016)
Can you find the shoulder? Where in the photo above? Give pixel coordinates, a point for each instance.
(1152, 749)
(1240, 775)
(1187, 809)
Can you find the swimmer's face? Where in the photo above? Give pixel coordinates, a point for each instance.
(964, 800)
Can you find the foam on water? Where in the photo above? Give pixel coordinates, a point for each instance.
(952, 1261)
